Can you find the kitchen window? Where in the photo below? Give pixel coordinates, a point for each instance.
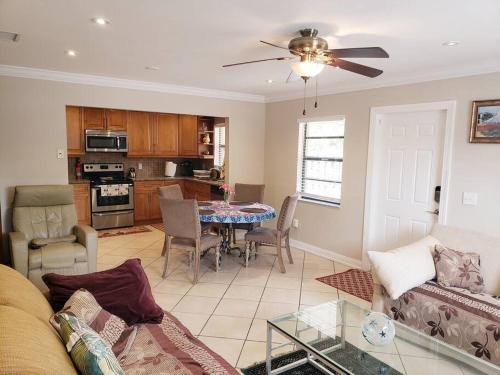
(220, 145)
(321, 155)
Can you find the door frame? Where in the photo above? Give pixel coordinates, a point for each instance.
(375, 117)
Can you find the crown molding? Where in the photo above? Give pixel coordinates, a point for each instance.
(374, 84)
(95, 80)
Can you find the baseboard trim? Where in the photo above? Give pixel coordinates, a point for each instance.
(332, 255)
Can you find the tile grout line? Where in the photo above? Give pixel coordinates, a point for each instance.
(255, 313)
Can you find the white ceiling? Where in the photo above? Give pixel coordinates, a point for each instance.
(190, 40)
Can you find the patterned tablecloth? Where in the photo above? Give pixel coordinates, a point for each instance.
(235, 212)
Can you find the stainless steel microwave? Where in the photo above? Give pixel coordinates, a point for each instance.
(105, 141)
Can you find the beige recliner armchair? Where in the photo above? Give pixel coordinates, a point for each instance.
(44, 216)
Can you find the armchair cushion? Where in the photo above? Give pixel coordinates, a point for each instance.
(46, 241)
(57, 255)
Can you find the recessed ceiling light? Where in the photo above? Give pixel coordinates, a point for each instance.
(70, 52)
(152, 67)
(100, 21)
(269, 81)
(451, 43)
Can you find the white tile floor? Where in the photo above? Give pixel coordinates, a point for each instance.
(228, 310)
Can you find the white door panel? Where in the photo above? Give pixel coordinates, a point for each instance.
(407, 168)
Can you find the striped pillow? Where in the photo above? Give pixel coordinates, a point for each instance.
(90, 354)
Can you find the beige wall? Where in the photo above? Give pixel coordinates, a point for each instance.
(33, 127)
(475, 167)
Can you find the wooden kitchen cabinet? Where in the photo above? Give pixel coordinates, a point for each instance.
(104, 119)
(74, 131)
(196, 190)
(188, 135)
(147, 200)
(116, 119)
(140, 133)
(81, 195)
(94, 118)
(165, 135)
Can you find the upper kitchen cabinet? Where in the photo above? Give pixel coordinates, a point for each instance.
(74, 131)
(188, 135)
(140, 131)
(165, 135)
(116, 119)
(94, 118)
(104, 119)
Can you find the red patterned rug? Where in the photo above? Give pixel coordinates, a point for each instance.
(158, 226)
(122, 231)
(354, 281)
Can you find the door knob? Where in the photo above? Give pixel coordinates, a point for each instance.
(435, 212)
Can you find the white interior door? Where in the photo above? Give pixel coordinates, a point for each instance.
(405, 171)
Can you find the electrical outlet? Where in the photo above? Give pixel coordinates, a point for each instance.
(139, 166)
(295, 223)
(60, 153)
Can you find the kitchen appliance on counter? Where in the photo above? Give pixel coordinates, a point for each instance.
(215, 174)
(105, 141)
(111, 195)
(186, 168)
(170, 169)
(132, 174)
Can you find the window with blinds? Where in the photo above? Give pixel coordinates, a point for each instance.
(321, 152)
(220, 145)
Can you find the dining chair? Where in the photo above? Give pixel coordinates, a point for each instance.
(170, 192)
(274, 237)
(175, 192)
(247, 193)
(183, 230)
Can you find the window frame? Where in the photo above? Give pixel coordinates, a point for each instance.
(301, 159)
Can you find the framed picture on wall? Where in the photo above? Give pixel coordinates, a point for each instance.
(485, 127)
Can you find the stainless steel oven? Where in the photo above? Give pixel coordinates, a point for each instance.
(111, 195)
(105, 141)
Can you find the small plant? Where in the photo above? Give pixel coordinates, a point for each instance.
(228, 190)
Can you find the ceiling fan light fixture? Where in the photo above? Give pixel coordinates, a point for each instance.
(307, 69)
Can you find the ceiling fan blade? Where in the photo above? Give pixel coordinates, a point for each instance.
(356, 68)
(374, 52)
(256, 61)
(292, 77)
(273, 45)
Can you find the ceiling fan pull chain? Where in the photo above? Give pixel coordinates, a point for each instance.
(305, 85)
(316, 101)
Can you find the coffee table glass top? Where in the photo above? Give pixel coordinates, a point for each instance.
(332, 332)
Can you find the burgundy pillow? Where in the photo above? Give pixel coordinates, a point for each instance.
(123, 291)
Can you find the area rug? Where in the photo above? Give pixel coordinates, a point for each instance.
(158, 226)
(351, 358)
(354, 281)
(122, 231)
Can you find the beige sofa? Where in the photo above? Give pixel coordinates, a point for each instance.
(45, 215)
(467, 320)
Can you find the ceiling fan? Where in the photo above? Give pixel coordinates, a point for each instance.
(311, 55)
(314, 56)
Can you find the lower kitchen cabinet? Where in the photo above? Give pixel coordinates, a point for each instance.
(196, 190)
(81, 194)
(147, 201)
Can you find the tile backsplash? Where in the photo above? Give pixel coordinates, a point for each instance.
(151, 167)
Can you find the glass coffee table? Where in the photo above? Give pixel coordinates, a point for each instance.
(330, 336)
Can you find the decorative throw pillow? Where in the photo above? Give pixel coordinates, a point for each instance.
(90, 354)
(123, 291)
(112, 329)
(404, 268)
(454, 268)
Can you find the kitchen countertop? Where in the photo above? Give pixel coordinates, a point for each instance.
(160, 178)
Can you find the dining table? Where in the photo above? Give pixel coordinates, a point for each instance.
(233, 212)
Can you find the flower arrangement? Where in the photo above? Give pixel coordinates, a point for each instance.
(228, 190)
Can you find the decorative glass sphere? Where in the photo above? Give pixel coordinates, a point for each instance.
(378, 329)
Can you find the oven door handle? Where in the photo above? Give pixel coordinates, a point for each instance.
(112, 213)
